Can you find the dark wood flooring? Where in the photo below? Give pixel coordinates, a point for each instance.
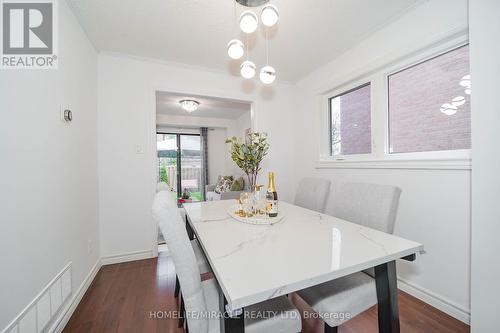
(123, 296)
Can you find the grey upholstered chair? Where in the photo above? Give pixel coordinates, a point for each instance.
(203, 264)
(370, 205)
(312, 193)
(203, 297)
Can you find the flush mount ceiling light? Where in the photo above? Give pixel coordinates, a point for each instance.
(235, 49)
(267, 74)
(247, 69)
(248, 21)
(189, 105)
(270, 15)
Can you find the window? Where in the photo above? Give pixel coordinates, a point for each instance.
(350, 122)
(429, 105)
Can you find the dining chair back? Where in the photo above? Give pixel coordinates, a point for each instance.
(165, 212)
(312, 193)
(371, 205)
(162, 186)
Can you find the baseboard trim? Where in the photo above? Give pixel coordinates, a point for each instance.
(130, 256)
(70, 306)
(435, 300)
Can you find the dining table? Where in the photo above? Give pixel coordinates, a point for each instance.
(254, 263)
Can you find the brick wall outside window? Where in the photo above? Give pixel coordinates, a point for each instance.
(416, 98)
(351, 122)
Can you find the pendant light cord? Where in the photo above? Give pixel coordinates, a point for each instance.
(235, 16)
(267, 47)
(247, 46)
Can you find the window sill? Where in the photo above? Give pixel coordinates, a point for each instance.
(418, 164)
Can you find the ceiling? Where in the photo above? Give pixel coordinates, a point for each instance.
(168, 104)
(195, 32)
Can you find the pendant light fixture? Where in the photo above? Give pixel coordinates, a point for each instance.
(248, 68)
(269, 15)
(267, 73)
(248, 23)
(235, 49)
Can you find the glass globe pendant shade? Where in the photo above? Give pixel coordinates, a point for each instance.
(248, 22)
(247, 69)
(267, 74)
(270, 15)
(235, 49)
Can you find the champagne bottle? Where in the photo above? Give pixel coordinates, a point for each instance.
(272, 197)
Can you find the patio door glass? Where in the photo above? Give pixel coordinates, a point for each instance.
(179, 163)
(190, 162)
(167, 147)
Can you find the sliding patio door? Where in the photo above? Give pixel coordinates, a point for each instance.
(180, 163)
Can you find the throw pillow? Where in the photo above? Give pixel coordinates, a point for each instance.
(223, 184)
(238, 185)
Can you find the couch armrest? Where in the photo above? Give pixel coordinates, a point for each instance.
(230, 195)
(210, 188)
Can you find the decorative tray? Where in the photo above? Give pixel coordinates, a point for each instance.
(259, 220)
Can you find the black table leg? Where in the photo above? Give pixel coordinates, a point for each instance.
(387, 296)
(189, 230)
(234, 324)
(177, 286)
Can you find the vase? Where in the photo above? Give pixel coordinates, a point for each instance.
(258, 204)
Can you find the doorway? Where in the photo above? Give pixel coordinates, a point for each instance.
(185, 159)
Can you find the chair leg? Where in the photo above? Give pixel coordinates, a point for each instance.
(329, 329)
(182, 311)
(177, 287)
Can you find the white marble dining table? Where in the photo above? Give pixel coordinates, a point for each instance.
(254, 263)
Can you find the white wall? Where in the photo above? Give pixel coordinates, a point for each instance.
(48, 175)
(163, 120)
(435, 204)
(485, 54)
(238, 129)
(127, 89)
(218, 154)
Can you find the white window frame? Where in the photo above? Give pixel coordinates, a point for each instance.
(380, 158)
(438, 154)
(353, 86)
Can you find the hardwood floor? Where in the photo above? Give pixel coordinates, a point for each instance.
(123, 297)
